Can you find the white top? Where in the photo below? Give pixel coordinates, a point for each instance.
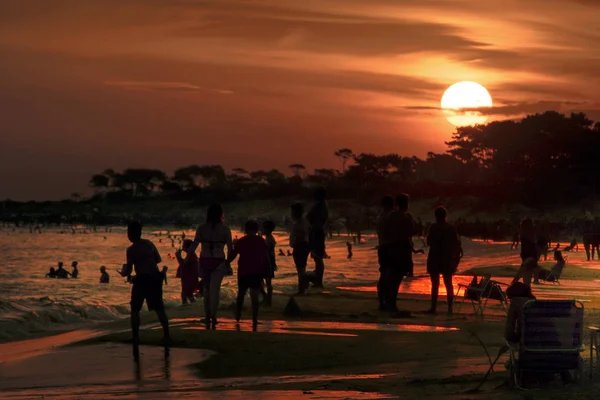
(213, 240)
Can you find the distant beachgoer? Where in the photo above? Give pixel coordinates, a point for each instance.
(289, 254)
(281, 253)
(187, 272)
(213, 236)
(268, 228)
(515, 241)
(143, 258)
(529, 252)
(572, 246)
(75, 271)
(588, 231)
(349, 247)
(299, 235)
(253, 266)
(317, 218)
(104, 277)
(399, 230)
(386, 250)
(444, 255)
(51, 273)
(556, 271)
(163, 272)
(62, 273)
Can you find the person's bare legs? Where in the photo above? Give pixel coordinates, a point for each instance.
(206, 298)
(255, 304)
(135, 331)
(435, 287)
(449, 292)
(215, 292)
(269, 284)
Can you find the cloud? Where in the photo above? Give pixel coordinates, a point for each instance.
(520, 108)
(164, 86)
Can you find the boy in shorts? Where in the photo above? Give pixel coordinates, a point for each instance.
(143, 258)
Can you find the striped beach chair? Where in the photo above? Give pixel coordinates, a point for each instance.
(551, 340)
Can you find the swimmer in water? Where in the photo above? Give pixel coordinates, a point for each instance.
(52, 273)
(104, 277)
(75, 272)
(62, 273)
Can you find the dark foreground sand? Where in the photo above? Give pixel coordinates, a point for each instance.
(354, 353)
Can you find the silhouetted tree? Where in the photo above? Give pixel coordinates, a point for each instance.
(297, 168)
(344, 154)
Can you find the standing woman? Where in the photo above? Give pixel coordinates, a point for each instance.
(213, 236)
(529, 252)
(445, 252)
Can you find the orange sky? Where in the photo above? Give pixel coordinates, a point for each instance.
(86, 85)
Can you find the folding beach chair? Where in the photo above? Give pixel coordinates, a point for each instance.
(479, 293)
(554, 275)
(551, 340)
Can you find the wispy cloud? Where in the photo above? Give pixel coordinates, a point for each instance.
(164, 86)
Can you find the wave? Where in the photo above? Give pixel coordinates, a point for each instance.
(21, 319)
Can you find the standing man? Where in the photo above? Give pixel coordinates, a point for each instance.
(143, 258)
(385, 250)
(400, 229)
(317, 218)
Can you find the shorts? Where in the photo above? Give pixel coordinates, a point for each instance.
(251, 281)
(317, 242)
(300, 255)
(149, 288)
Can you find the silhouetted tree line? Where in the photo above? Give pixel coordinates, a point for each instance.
(542, 159)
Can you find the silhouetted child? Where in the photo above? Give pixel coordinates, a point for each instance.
(289, 254)
(268, 228)
(163, 272)
(299, 242)
(104, 277)
(281, 253)
(75, 272)
(62, 273)
(187, 272)
(52, 273)
(253, 266)
(143, 257)
(349, 247)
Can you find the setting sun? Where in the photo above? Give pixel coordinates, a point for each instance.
(460, 101)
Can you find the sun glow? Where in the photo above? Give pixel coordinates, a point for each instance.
(461, 101)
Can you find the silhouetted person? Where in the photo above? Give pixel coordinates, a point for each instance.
(300, 245)
(61, 272)
(529, 252)
(444, 255)
(399, 227)
(104, 277)
(519, 294)
(281, 253)
(213, 236)
(349, 247)
(387, 251)
(187, 272)
(556, 271)
(163, 272)
(75, 271)
(143, 258)
(51, 273)
(588, 231)
(317, 218)
(268, 228)
(253, 266)
(515, 241)
(289, 254)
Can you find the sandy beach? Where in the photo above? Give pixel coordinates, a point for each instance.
(339, 346)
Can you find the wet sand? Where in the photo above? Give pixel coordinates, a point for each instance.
(339, 346)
